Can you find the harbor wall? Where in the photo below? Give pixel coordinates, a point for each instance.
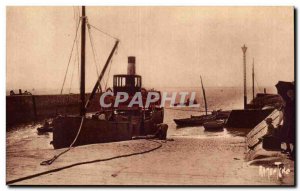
(27, 108)
(247, 118)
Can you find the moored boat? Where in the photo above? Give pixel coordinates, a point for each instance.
(46, 128)
(219, 114)
(201, 119)
(194, 121)
(113, 123)
(215, 125)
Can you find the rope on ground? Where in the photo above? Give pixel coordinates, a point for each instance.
(50, 161)
(83, 163)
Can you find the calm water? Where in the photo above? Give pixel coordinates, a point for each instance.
(217, 98)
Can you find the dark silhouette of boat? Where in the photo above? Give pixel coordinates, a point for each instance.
(46, 128)
(201, 119)
(194, 120)
(215, 125)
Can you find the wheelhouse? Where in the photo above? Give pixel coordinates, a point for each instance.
(127, 83)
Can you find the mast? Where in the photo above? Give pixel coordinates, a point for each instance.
(82, 74)
(244, 49)
(204, 96)
(253, 93)
(97, 84)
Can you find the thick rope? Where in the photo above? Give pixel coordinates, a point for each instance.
(83, 163)
(50, 161)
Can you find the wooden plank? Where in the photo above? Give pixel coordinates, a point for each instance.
(261, 129)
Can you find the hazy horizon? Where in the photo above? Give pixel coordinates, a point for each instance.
(46, 91)
(173, 45)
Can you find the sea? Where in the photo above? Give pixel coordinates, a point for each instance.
(224, 98)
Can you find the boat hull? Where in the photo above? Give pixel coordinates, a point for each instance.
(214, 126)
(247, 118)
(94, 130)
(193, 121)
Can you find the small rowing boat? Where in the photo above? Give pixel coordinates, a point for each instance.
(215, 125)
(194, 121)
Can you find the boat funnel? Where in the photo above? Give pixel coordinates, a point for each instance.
(131, 65)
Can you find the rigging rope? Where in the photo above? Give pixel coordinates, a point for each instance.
(259, 90)
(95, 53)
(77, 54)
(93, 50)
(50, 161)
(108, 75)
(111, 61)
(103, 32)
(69, 59)
(72, 76)
(77, 50)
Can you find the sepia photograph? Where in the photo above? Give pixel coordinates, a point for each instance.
(150, 96)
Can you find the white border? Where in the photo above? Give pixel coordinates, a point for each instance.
(154, 2)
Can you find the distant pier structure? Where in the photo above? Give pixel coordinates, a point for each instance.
(244, 49)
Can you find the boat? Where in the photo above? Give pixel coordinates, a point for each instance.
(215, 125)
(109, 124)
(219, 114)
(201, 119)
(255, 136)
(194, 121)
(46, 128)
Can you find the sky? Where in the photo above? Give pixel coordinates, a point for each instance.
(173, 45)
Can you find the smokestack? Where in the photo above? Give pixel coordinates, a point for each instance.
(131, 65)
